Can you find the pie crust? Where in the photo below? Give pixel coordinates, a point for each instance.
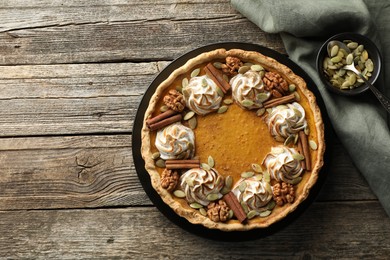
(224, 157)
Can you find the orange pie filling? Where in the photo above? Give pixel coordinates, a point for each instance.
(233, 140)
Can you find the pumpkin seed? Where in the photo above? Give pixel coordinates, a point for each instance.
(155, 155)
(297, 96)
(212, 196)
(352, 79)
(244, 207)
(345, 85)
(352, 45)
(265, 213)
(257, 67)
(271, 205)
(258, 177)
(260, 112)
(336, 59)
(261, 97)
(222, 109)
(219, 180)
(184, 82)
(179, 194)
(266, 177)
(190, 181)
(242, 186)
(225, 190)
(296, 137)
(205, 166)
(163, 108)
(179, 88)
(298, 157)
(313, 145)
(230, 214)
(217, 65)
(204, 83)
(203, 212)
(225, 77)
(251, 214)
(306, 130)
(292, 87)
(369, 65)
(196, 205)
(220, 92)
(189, 115)
(247, 174)
(289, 140)
(192, 123)
(160, 163)
(195, 72)
(364, 56)
(296, 180)
(360, 48)
(228, 101)
(243, 69)
(229, 182)
(247, 103)
(334, 50)
(262, 73)
(257, 168)
(349, 59)
(210, 161)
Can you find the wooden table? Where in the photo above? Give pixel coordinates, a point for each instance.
(71, 77)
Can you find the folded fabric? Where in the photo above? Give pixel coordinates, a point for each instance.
(359, 122)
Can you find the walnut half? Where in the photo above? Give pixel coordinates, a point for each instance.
(283, 193)
(218, 211)
(175, 100)
(169, 179)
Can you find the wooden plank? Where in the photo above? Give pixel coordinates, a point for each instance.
(327, 231)
(68, 172)
(72, 99)
(98, 171)
(117, 31)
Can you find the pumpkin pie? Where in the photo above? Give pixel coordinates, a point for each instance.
(233, 140)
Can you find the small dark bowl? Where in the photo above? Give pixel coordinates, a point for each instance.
(373, 54)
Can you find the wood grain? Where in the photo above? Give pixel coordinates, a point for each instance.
(119, 31)
(347, 230)
(68, 172)
(72, 74)
(98, 171)
(72, 98)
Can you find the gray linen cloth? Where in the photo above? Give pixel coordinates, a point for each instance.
(359, 122)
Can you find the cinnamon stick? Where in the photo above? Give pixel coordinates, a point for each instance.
(217, 76)
(182, 164)
(161, 116)
(235, 205)
(305, 148)
(279, 101)
(300, 150)
(165, 122)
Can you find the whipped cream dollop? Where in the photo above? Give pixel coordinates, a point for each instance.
(256, 195)
(286, 120)
(198, 183)
(281, 164)
(248, 86)
(201, 95)
(175, 141)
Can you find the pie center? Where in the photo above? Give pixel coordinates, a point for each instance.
(235, 139)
